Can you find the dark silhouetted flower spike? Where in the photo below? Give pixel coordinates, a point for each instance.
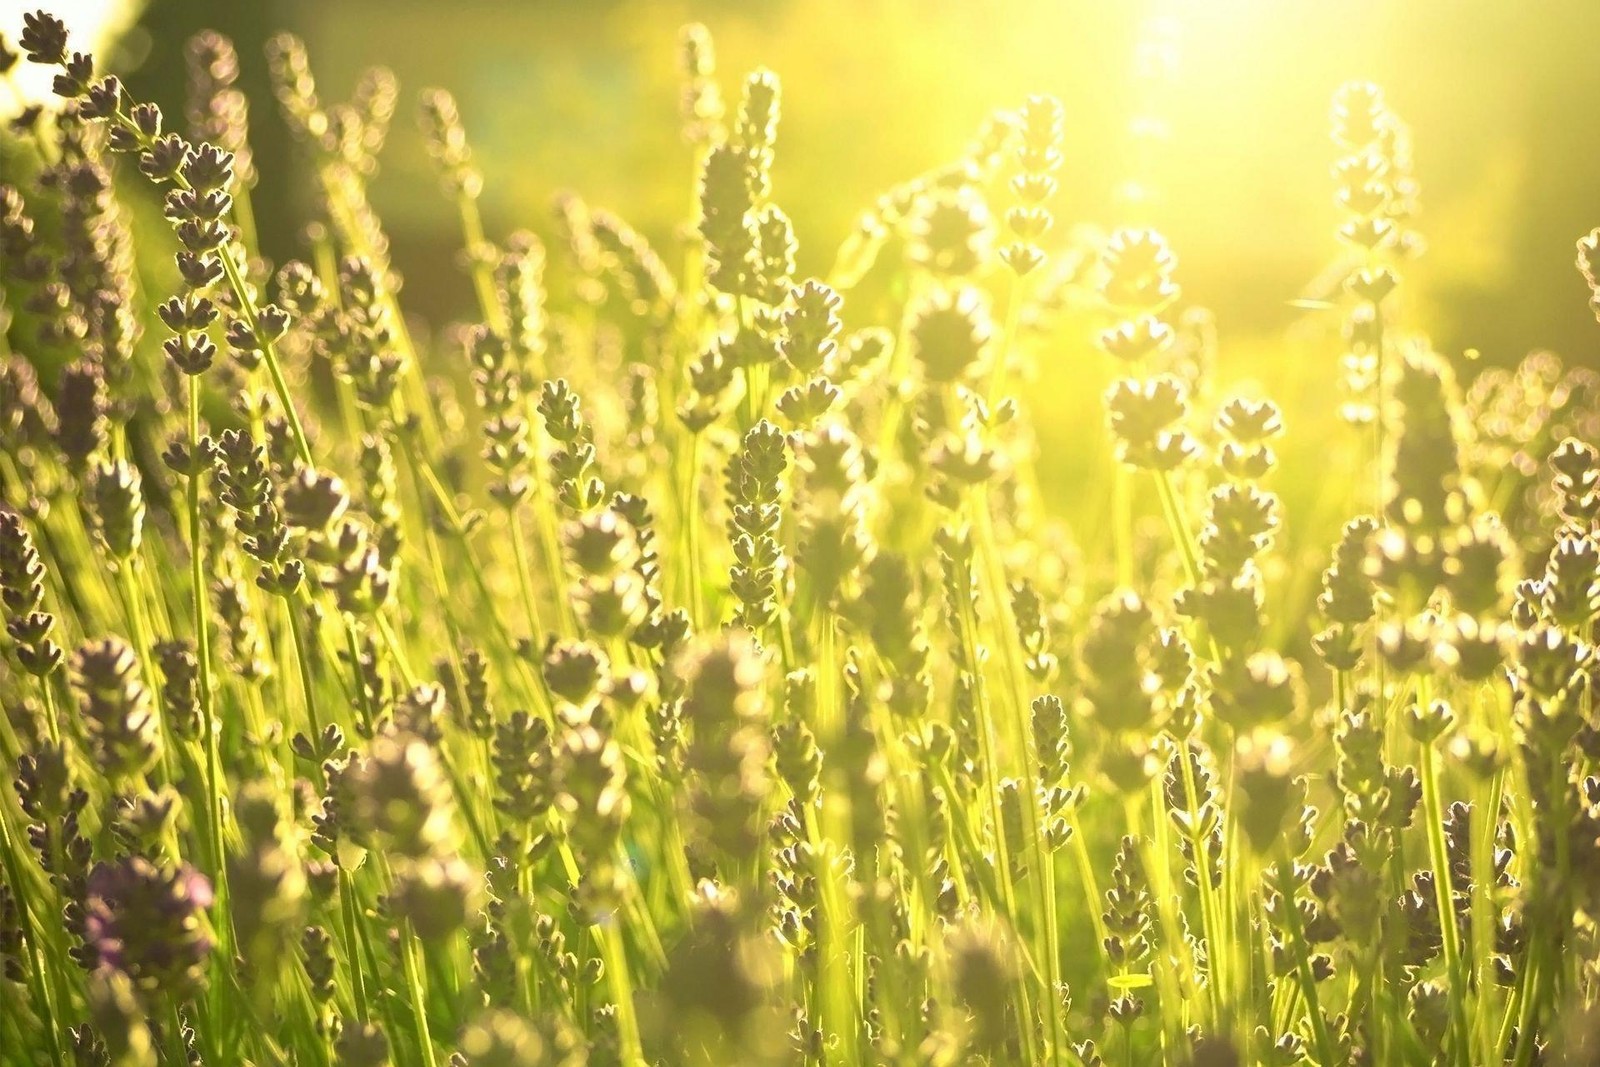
(1128, 913)
(266, 880)
(700, 98)
(722, 985)
(218, 112)
(799, 761)
(609, 595)
(1144, 417)
(1589, 266)
(811, 329)
(625, 255)
(725, 709)
(1425, 487)
(117, 496)
(362, 1044)
(146, 922)
(1033, 630)
(397, 791)
(1050, 738)
(1346, 591)
(1240, 523)
(831, 508)
(44, 39)
(22, 571)
(1572, 580)
(520, 286)
(950, 232)
(1258, 690)
(81, 406)
(27, 417)
(180, 687)
(22, 578)
(1577, 481)
(1196, 815)
(594, 802)
(1138, 268)
(726, 201)
(116, 707)
(773, 265)
(507, 449)
(756, 130)
(239, 629)
(949, 333)
(1119, 684)
(1270, 798)
(1248, 426)
(446, 141)
(756, 483)
(13, 942)
(436, 896)
(1479, 566)
(523, 760)
(245, 485)
(889, 607)
(1038, 158)
(982, 968)
(572, 465)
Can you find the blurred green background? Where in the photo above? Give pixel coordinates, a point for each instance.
(1207, 119)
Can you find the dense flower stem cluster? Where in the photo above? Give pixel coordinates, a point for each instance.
(688, 666)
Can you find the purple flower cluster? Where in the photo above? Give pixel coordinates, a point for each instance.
(147, 922)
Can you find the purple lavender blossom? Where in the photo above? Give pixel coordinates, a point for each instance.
(145, 921)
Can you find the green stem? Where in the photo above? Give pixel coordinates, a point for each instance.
(142, 645)
(269, 356)
(302, 655)
(1200, 849)
(202, 640)
(621, 995)
(36, 965)
(419, 1000)
(1302, 960)
(530, 603)
(1433, 813)
(352, 951)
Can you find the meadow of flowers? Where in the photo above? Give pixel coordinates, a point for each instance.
(677, 664)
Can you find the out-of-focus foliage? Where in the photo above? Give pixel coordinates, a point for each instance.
(747, 619)
(1201, 117)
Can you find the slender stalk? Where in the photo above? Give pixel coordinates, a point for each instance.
(833, 964)
(36, 964)
(1438, 850)
(1482, 920)
(1200, 849)
(139, 631)
(1302, 960)
(1043, 903)
(347, 926)
(414, 989)
(302, 655)
(689, 513)
(202, 640)
(621, 995)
